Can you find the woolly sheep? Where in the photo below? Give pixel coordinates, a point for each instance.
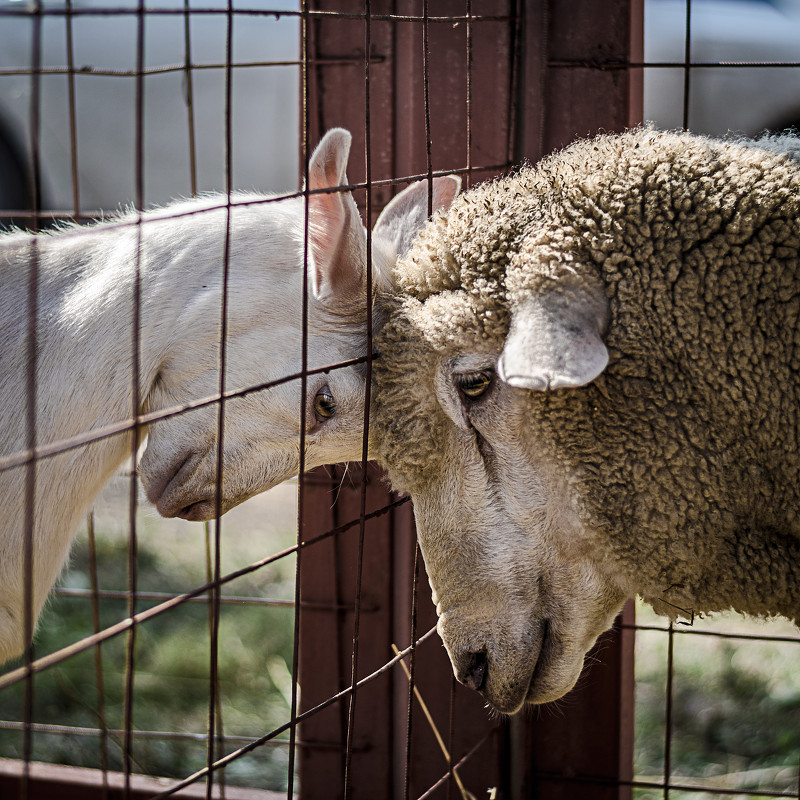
(589, 383)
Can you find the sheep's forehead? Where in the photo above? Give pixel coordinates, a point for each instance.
(498, 234)
(469, 247)
(410, 429)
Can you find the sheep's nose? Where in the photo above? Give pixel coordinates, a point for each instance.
(475, 671)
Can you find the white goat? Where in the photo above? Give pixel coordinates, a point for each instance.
(170, 262)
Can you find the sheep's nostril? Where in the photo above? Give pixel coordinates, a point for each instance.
(474, 675)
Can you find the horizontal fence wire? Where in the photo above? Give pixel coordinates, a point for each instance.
(210, 592)
(173, 601)
(752, 637)
(309, 14)
(24, 457)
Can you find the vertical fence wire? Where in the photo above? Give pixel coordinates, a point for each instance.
(73, 116)
(188, 89)
(668, 714)
(451, 730)
(214, 594)
(351, 718)
(413, 625)
(468, 109)
(412, 673)
(216, 730)
(133, 555)
(426, 61)
(305, 33)
(687, 66)
(31, 384)
(102, 721)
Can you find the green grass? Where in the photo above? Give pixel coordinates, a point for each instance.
(172, 652)
(736, 707)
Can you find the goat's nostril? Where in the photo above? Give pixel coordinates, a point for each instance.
(474, 675)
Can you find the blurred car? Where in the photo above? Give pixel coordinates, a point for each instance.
(743, 99)
(102, 131)
(98, 142)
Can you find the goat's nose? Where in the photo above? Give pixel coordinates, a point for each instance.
(475, 671)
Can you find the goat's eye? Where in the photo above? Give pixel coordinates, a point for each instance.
(324, 404)
(474, 384)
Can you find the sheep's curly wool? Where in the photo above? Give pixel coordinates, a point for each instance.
(686, 448)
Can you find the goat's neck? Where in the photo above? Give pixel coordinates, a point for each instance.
(90, 284)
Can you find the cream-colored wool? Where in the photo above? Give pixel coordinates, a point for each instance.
(673, 473)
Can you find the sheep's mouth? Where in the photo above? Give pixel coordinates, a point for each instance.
(556, 671)
(538, 676)
(550, 677)
(538, 659)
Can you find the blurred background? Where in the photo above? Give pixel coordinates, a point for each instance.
(733, 684)
(88, 134)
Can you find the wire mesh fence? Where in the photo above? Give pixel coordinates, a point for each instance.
(252, 655)
(721, 69)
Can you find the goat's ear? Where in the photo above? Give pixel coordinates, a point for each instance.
(555, 340)
(337, 237)
(407, 212)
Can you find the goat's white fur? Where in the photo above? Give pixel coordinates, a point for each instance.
(169, 262)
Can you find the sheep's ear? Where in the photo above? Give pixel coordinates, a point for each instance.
(554, 341)
(337, 237)
(407, 212)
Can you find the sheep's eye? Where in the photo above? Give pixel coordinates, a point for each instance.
(324, 404)
(474, 384)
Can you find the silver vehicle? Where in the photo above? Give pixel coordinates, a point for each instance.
(727, 34)
(91, 135)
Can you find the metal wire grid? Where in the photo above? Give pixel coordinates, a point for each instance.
(213, 588)
(211, 591)
(672, 783)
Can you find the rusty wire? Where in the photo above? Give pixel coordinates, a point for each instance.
(211, 592)
(31, 423)
(212, 589)
(34, 453)
(351, 713)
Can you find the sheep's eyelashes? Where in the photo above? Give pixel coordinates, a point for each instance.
(324, 403)
(474, 384)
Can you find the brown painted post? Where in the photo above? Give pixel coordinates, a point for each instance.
(574, 82)
(328, 601)
(399, 135)
(542, 72)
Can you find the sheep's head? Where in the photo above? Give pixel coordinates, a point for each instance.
(576, 421)
(519, 594)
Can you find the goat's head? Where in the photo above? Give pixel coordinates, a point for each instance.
(263, 298)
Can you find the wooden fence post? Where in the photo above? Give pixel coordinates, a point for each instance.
(540, 73)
